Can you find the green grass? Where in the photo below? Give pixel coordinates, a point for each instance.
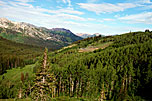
(17, 37)
(62, 98)
(104, 45)
(26, 99)
(67, 98)
(10, 82)
(94, 47)
(14, 75)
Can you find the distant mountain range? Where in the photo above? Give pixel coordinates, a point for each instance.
(22, 32)
(85, 35)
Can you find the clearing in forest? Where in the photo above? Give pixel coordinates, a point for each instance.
(93, 48)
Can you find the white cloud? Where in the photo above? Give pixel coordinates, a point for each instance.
(106, 7)
(147, 7)
(64, 1)
(91, 19)
(73, 17)
(21, 11)
(144, 1)
(61, 10)
(70, 10)
(2, 3)
(25, 1)
(140, 1)
(116, 16)
(67, 1)
(106, 19)
(69, 23)
(145, 18)
(92, 1)
(144, 4)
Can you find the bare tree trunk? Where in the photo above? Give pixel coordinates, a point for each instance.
(20, 94)
(54, 91)
(60, 84)
(126, 85)
(111, 89)
(63, 88)
(123, 85)
(72, 87)
(77, 88)
(45, 60)
(129, 79)
(102, 97)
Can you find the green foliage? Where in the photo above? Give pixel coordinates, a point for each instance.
(10, 82)
(44, 82)
(17, 37)
(14, 55)
(119, 72)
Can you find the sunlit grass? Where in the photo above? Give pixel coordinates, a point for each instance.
(13, 75)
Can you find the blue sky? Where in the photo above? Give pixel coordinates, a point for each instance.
(106, 17)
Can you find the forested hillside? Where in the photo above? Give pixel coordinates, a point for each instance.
(113, 68)
(119, 71)
(14, 54)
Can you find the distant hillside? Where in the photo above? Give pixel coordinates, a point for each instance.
(85, 35)
(69, 36)
(14, 54)
(27, 33)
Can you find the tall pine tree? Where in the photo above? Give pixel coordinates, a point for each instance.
(44, 85)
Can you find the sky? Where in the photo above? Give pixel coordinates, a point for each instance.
(107, 17)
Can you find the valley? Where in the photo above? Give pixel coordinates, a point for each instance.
(96, 68)
(75, 50)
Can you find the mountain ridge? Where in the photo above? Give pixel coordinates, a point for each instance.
(86, 35)
(58, 36)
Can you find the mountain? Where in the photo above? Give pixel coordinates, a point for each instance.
(85, 35)
(69, 36)
(30, 34)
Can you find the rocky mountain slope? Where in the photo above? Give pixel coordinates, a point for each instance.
(27, 33)
(85, 35)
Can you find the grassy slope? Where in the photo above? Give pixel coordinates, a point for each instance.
(14, 75)
(10, 82)
(14, 54)
(92, 48)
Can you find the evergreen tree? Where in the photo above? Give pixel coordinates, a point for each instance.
(44, 82)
